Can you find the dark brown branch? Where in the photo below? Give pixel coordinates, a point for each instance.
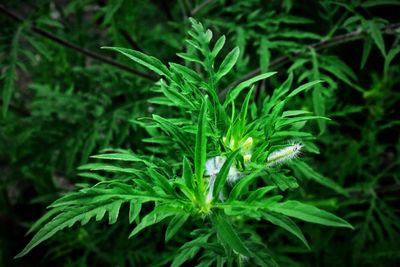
(81, 50)
(130, 40)
(334, 41)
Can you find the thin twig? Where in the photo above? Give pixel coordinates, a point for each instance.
(334, 41)
(200, 7)
(81, 50)
(130, 40)
(183, 9)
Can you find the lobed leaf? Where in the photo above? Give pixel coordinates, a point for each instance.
(71, 216)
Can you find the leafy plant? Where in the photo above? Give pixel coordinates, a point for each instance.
(224, 153)
(215, 194)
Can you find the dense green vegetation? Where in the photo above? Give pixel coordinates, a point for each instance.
(199, 133)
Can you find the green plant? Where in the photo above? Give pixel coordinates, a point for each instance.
(64, 99)
(241, 153)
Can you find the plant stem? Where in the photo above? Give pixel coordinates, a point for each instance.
(200, 7)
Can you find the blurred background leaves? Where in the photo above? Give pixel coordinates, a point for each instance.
(64, 99)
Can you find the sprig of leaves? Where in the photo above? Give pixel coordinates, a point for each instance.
(180, 194)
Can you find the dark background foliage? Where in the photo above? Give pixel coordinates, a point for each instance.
(64, 99)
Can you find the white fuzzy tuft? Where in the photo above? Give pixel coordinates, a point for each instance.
(284, 154)
(213, 167)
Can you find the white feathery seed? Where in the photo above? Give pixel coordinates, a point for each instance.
(284, 154)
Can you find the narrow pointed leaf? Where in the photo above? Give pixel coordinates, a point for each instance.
(201, 143)
(149, 62)
(239, 88)
(228, 63)
(188, 174)
(134, 210)
(308, 213)
(175, 225)
(162, 182)
(287, 224)
(303, 88)
(223, 173)
(154, 217)
(218, 46)
(229, 236)
(376, 35)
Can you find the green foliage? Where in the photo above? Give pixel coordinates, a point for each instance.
(272, 145)
(195, 199)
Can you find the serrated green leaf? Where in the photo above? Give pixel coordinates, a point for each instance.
(120, 156)
(108, 168)
(284, 182)
(308, 213)
(188, 250)
(229, 236)
(287, 224)
(175, 225)
(157, 215)
(161, 100)
(176, 97)
(172, 130)
(190, 58)
(68, 218)
(188, 74)
(162, 182)
(46, 217)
